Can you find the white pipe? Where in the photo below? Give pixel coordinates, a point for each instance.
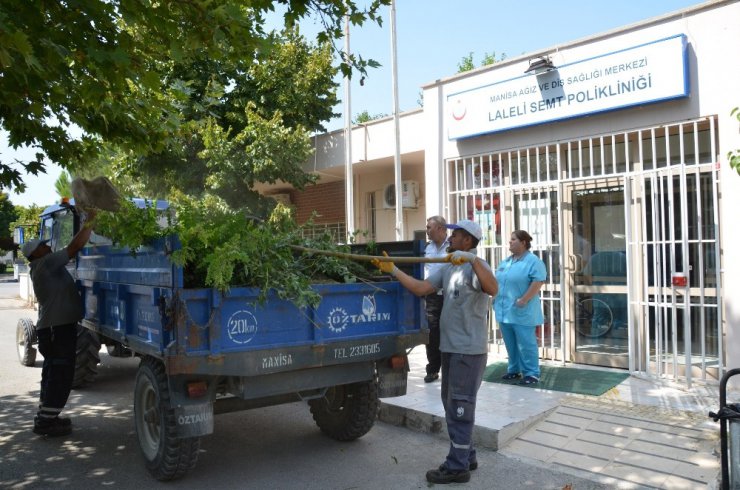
(349, 209)
(397, 135)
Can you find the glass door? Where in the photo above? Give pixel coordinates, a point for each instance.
(598, 306)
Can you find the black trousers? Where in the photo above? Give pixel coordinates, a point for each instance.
(58, 346)
(433, 304)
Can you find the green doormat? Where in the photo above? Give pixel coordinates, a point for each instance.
(568, 379)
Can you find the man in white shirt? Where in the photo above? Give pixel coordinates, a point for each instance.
(437, 247)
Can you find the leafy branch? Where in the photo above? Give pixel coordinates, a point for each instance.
(233, 249)
(734, 155)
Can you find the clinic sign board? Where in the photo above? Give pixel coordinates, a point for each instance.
(643, 74)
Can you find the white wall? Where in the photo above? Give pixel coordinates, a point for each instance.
(385, 218)
(370, 141)
(713, 35)
(714, 81)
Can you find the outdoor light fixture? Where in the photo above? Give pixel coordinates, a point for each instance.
(541, 64)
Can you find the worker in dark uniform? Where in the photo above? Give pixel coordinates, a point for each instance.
(468, 284)
(60, 308)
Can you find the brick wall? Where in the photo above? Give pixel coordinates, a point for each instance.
(326, 199)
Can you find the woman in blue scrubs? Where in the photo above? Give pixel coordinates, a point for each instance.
(518, 308)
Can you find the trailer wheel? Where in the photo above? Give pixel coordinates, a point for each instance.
(88, 357)
(167, 457)
(347, 412)
(25, 337)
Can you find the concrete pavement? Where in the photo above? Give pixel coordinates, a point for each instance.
(641, 434)
(644, 433)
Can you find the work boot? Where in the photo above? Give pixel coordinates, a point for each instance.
(431, 377)
(443, 475)
(471, 466)
(52, 427)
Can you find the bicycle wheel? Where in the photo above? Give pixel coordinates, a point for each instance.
(593, 318)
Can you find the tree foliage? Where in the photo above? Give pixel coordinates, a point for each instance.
(27, 217)
(467, 63)
(233, 249)
(244, 122)
(63, 185)
(8, 215)
(110, 68)
(365, 116)
(191, 101)
(734, 155)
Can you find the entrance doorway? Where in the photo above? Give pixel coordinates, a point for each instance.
(628, 227)
(597, 283)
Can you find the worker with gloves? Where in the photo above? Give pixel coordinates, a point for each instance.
(469, 285)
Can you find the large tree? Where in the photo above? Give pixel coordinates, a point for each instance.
(26, 217)
(117, 69)
(8, 214)
(242, 122)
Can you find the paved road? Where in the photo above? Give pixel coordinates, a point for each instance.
(276, 447)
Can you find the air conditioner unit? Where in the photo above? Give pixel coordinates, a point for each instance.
(409, 195)
(282, 198)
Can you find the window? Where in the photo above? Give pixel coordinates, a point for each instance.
(338, 231)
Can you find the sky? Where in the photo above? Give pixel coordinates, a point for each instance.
(433, 36)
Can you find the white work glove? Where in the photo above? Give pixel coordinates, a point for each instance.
(458, 257)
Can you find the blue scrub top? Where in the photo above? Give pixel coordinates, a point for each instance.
(514, 277)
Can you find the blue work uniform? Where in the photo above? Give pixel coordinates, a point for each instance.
(517, 323)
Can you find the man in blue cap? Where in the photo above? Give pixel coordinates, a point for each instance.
(468, 284)
(60, 308)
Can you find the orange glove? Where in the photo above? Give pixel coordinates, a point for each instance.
(385, 267)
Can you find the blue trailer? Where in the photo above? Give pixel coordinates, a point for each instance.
(205, 352)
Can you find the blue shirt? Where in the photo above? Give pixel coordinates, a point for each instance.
(514, 277)
(432, 250)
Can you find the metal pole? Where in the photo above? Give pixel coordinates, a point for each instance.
(397, 135)
(349, 209)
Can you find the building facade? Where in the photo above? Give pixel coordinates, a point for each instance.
(612, 151)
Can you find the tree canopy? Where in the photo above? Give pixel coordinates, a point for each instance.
(8, 214)
(365, 116)
(733, 156)
(242, 122)
(124, 71)
(467, 63)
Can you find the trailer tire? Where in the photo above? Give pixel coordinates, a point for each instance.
(347, 412)
(25, 336)
(167, 456)
(88, 357)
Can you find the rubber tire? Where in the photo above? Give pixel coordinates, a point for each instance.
(25, 338)
(88, 357)
(167, 457)
(347, 412)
